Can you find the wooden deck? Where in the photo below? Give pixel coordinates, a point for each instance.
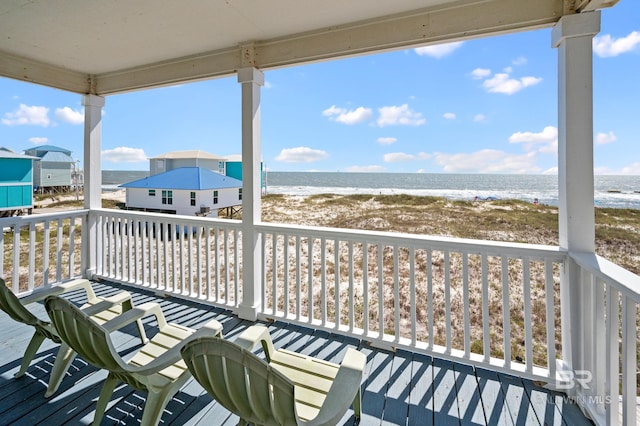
(400, 388)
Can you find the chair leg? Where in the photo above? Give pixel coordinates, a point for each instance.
(143, 334)
(32, 348)
(154, 406)
(357, 405)
(60, 366)
(105, 395)
(128, 305)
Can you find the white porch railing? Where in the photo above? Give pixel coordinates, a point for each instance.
(191, 257)
(610, 328)
(40, 249)
(488, 303)
(496, 305)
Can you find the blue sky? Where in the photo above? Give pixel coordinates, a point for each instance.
(480, 106)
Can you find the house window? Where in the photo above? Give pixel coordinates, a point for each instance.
(215, 197)
(167, 197)
(193, 198)
(152, 193)
(239, 193)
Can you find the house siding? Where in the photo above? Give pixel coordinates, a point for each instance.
(48, 173)
(16, 190)
(138, 198)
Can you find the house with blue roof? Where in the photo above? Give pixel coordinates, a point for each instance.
(16, 182)
(53, 171)
(186, 191)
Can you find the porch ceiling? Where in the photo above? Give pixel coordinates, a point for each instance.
(111, 46)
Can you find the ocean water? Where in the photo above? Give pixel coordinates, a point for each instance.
(610, 191)
(112, 178)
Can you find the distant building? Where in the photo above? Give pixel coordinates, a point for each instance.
(194, 158)
(54, 171)
(185, 191)
(229, 166)
(16, 182)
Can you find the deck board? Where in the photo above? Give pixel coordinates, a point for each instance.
(400, 388)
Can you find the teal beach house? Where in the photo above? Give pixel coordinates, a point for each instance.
(16, 182)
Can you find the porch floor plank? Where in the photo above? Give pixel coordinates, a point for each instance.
(400, 388)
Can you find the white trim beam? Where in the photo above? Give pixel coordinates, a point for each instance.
(23, 69)
(451, 22)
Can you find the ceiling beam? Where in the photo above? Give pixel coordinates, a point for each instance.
(459, 21)
(23, 69)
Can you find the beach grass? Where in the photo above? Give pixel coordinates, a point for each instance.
(617, 230)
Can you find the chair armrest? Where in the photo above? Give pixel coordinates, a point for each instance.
(211, 329)
(117, 299)
(138, 312)
(42, 293)
(254, 335)
(344, 388)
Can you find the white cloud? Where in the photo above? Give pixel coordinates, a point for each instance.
(545, 141)
(399, 115)
(479, 118)
(604, 138)
(69, 115)
(38, 141)
(503, 83)
(28, 115)
(606, 46)
(268, 85)
(342, 115)
(365, 169)
(387, 140)
(487, 161)
(396, 157)
(449, 115)
(123, 154)
(548, 134)
(480, 73)
(521, 60)
(438, 51)
(633, 169)
(602, 171)
(551, 171)
(301, 154)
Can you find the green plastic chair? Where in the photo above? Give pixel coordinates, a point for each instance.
(156, 368)
(102, 310)
(288, 389)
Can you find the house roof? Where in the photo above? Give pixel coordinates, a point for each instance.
(95, 46)
(49, 148)
(10, 154)
(56, 157)
(196, 154)
(186, 178)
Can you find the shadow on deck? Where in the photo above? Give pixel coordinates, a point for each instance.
(400, 388)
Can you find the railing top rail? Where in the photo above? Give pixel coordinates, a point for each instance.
(621, 279)
(42, 217)
(161, 217)
(434, 242)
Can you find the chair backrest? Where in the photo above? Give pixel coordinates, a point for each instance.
(240, 381)
(83, 335)
(10, 303)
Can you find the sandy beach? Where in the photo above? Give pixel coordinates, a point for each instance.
(617, 230)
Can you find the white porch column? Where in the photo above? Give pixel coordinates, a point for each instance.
(576, 217)
(251, 79)
(92, 176)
